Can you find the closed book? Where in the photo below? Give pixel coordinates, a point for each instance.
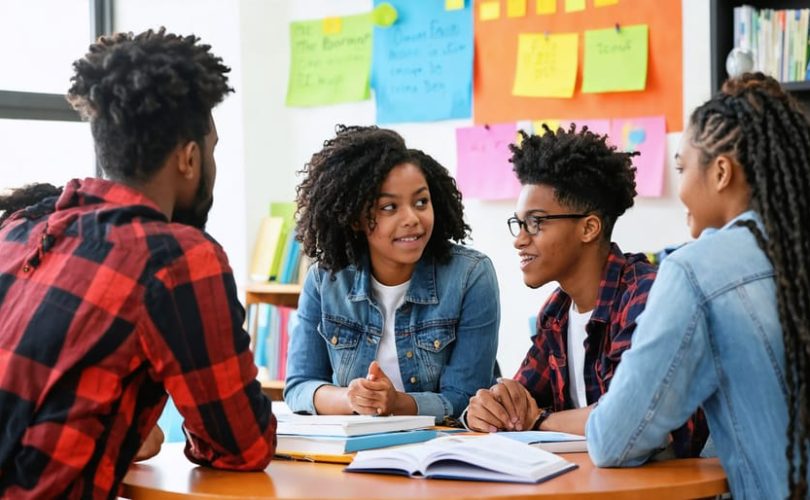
(349, 425)
(471, 458)
(555, 442)
(335, 445)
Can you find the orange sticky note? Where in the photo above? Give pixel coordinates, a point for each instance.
(516, 8)
(490, 11)
(453, 4)
(546, 6)
(604, 3)
(332, 25)
(574, 5)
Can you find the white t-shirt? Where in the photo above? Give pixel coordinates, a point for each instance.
(576, 355)
(389, 298)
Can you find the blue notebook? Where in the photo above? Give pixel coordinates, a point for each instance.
(313, 446)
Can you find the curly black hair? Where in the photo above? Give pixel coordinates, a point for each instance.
(28, 197)
(144, 94)
(755, 122)
(341, 183)
(586, 173)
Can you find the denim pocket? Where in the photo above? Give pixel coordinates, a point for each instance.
(434, 345)
(341, 339)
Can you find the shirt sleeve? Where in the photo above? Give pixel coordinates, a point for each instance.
(193, 338)
(661, 381)
(308, 364)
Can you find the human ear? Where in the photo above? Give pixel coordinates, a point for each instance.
(591, 228)
(723, 172)
(190, 159)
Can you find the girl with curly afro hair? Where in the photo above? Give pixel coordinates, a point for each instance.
(396, 317)
(575, 187)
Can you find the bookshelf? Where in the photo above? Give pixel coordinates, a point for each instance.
(721, 17)
(277, 295)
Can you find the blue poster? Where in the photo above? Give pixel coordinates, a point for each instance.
(422, 64)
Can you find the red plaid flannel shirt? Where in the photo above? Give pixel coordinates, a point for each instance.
(104, 306)
(622, 296)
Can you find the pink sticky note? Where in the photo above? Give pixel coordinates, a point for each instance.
(648, 137)
(484, 171)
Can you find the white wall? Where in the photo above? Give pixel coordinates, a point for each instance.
(263, 142)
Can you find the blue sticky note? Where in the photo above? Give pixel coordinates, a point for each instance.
(422, 64)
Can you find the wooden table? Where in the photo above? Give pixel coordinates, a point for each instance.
(170, 476)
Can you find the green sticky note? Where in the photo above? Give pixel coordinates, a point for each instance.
(329, 66)
(615, 60)
(574, 5)
(384, 15)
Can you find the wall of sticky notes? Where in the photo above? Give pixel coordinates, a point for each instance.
(628, 61)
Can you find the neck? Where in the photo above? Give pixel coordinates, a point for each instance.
(157, 190)
(582, 285)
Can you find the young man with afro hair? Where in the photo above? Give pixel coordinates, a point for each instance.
(111, 295)
(574, 188)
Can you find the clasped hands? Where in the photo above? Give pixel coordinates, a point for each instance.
(506, 406)
(373, 395)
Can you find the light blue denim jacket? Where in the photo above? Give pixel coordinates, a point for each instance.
(446, 332)
(710, 336)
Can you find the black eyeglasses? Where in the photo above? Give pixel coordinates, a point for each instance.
(532, 223)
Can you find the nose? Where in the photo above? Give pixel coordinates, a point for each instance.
(522, 239)
(409, 217)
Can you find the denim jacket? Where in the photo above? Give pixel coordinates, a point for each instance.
(446, 332)
(710, 336)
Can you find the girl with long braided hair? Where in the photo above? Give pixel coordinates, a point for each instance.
(727, 323)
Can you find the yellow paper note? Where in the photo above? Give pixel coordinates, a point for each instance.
(546, 6)
(453, 4)
(332, 25)
(546, 65)
(537, 126)
(516, 8)
(490, 11)
(604, 3)
(574, 5)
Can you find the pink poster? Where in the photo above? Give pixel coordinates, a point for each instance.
(648, 137)
(598, 127)
(484, 171)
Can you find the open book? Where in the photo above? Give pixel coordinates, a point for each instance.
(555, 442)
(349, 425)
(475, 458)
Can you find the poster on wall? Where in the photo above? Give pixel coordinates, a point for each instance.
(422, 64)
(652, 31)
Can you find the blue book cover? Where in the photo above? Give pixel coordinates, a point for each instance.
(312, 446)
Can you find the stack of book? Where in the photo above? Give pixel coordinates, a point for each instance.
(334, 438)
(777, 39)
(277, 253)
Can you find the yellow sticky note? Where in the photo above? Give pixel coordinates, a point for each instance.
(546, 65)
(604, 3)
(453, 4)
(546, 6)
(537, 126)
(574, 5)
(490, 11)
(332, 25)
(516, 8)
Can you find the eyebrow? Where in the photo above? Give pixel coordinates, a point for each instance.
(391, 195)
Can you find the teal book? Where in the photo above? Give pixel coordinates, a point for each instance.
(296, 445)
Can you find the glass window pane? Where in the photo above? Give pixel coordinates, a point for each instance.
(44, 151)
(39, 60)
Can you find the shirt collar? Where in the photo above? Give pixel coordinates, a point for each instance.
(93, 191)
(423, 281)
(747, 215)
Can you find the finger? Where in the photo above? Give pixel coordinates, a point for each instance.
(375, 372)
(484, 402)
(503, 396)
(519, 396)
(375, 385)
(480, 418)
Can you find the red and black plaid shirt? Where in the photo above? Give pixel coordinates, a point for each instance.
(103, 307)
(622, 296)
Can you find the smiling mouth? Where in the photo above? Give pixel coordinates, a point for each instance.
(525, 259)
(408, 239)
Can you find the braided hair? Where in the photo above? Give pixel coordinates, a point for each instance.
(753, 121)
(341, 183)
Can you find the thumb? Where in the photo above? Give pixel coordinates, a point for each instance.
(375, 372)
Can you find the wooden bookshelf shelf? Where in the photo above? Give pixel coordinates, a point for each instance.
(272, 293)
(273, 389)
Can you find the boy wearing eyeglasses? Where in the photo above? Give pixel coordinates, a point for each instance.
(575, 186)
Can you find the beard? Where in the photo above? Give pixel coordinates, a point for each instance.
(197, 214)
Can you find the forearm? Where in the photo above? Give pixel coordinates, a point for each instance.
(405, 404)
(332, 400)
(570, 421)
